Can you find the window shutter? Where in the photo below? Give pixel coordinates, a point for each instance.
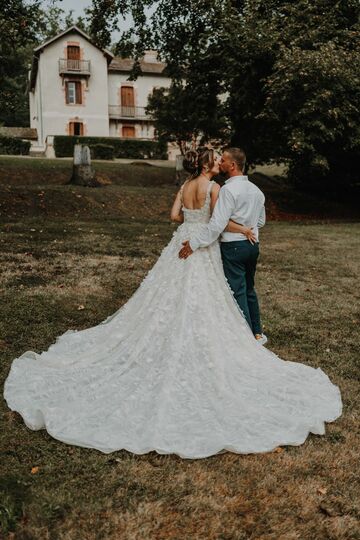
(67, 92)
(78, 92)
(127, 96)
(73, 52)
(128, 131)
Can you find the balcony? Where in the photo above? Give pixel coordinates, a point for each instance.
(127, 113)
(78, 67)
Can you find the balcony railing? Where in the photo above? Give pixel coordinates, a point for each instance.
(81, 67)
(122, 111)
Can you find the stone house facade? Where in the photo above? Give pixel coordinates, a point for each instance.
(76, 88)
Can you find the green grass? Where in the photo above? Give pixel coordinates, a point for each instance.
(39, 171)
(78, 252)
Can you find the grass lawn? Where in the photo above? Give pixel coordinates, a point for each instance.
(63, 247)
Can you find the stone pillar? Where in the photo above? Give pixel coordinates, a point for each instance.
(83, 174)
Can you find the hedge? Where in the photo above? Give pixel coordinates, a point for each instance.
(123, 148)
(102, 151)
(15, 147)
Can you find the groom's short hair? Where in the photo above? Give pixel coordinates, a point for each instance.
(237, 155)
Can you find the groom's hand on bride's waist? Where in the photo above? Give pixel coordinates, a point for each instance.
(186, 250)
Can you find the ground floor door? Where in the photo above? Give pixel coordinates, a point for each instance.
(76, 128)
(128, 131)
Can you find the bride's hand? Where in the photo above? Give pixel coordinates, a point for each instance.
(250, 235)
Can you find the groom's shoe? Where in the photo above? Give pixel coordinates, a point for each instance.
(261, 338)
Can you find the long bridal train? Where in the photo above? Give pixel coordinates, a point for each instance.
(175, 370)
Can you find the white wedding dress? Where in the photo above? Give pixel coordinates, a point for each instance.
(175, 370)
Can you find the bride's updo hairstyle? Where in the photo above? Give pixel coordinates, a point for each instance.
(195, 160)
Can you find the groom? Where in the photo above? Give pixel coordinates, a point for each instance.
(243, 202)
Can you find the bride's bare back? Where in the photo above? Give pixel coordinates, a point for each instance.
(194, 193)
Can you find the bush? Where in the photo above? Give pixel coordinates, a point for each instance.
(123, 148)
(12, 146)
(102, 151)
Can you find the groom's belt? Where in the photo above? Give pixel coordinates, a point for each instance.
(236, 243)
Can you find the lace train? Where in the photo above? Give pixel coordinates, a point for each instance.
(175, 370)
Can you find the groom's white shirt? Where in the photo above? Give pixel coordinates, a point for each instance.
(239, 200)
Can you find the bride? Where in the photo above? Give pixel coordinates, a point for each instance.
(177, 368)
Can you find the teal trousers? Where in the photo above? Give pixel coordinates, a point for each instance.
(239, 262)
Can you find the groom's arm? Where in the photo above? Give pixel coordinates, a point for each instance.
(223, 211)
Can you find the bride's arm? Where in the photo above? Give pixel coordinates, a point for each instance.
(234, 227)
(176, 212)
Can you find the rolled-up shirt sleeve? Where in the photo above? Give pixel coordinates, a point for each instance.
(223, 211)
(262, 218)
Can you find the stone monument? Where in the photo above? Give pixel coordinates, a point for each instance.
(83, 174)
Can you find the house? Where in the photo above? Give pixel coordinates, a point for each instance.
(77, 88)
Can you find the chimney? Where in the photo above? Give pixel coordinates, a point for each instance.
(151, 57)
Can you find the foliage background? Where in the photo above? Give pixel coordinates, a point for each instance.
(279, 78)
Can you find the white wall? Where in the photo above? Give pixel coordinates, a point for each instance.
(143, 87)
(34, 107)
(50, 92)
(143, 130)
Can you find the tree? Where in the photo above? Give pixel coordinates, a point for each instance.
(321, 137)
(55, 20)
(193, 107)
(316, 76)
(289, 72)
(105, 16)
(23, 26)
(299, 100)
(184, 115)
(19, 24)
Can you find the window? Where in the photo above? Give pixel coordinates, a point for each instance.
(73, 92)
(76, 128)
(128, 131)
(145, 130)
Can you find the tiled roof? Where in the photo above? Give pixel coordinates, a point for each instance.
(126, 64)
(77, 30)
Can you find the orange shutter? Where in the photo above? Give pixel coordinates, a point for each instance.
(127, 96)
(73, 52)
(128, 131)
(78, 92)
